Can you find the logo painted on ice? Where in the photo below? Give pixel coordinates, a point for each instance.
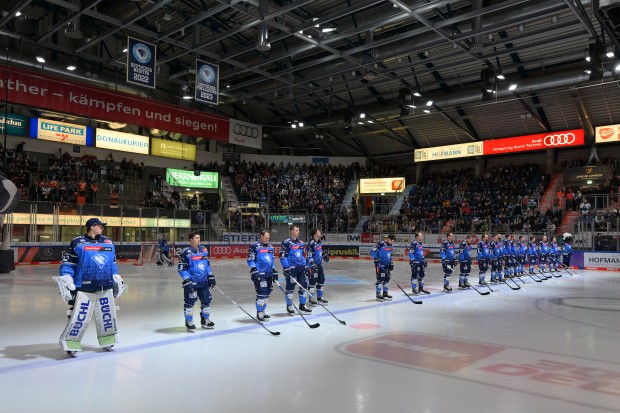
(100, 260)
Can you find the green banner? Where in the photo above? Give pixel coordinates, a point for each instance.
(189, 179)
(16, 124)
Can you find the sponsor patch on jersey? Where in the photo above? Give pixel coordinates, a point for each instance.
(92, 248)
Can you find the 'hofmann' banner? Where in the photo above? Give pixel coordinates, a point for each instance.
(245, 134)
(207, 82)
(141, 62)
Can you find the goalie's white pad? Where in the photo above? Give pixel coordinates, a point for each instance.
(65, 291)
(71, 337)
(105, 318)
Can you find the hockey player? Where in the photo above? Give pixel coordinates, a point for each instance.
(465, 262)
(293, 260)
(263, 272)
(554, 256)
(164, 252)
(484, 255)
(543, 254)
(89, 281)
(567, 251)
(195, 271)
(448, 260)
(315, 264)
(509, 251)
(382, 256)
(417, 262)
(532, 254)
(496, 259)
(521, 254)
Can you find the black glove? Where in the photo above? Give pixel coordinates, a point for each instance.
(211, 281)
(325, 256)
(391, 267)
(454, 262)
(425, 263)
(275, 274)
(412, 264)
(286, 272)
(376, 263)
(313, 266)
(254, 274)
(187, 283)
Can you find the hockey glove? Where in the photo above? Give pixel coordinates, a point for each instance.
(186, 283)
(254, 274)
(286, 272)
(65, 286)
(412, 264)
(325, 256)
(275, 274)
(313, 266)
(211, 281)
(391, 267)
(376, 263)
(425, 263)
(119, 285)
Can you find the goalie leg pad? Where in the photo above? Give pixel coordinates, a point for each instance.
(71, 337)
(105, 318)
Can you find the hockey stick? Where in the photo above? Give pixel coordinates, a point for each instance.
(566, 268)
(531, 275)
(489, 287)
(503, 281)
(318, 302)
(546, 277)
(412, 300)
(295, 307)
(477, 290)
(556, 276)
(275, 333)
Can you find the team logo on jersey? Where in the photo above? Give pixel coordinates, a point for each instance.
(100, 260)
(202, 266)
(268, 259)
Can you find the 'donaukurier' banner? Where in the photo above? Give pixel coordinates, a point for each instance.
(121, 141)
(191, 179)
(141, 62)
(207, 83)
(173, 149)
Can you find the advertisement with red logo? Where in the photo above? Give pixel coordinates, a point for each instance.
(550, 140)
(46, 92)
(607, 134)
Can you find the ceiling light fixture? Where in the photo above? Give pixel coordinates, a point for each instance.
(429, 103)
(40, 59)
(512, 87)
(71, 67)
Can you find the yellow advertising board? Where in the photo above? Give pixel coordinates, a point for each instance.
(172, 149)
(460, 150)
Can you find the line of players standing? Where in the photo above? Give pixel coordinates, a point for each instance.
(506, 258)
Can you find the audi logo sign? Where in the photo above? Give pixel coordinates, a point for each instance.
(537, 142)
(245, 134)
(560, 139)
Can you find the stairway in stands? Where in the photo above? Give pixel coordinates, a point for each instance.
(231, 196)
(567, 220)
(548, 198)
(401, 198)
(351, 190)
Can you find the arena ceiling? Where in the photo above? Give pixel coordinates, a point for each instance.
(329, 61)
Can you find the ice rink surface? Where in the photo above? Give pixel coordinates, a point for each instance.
(549, 347)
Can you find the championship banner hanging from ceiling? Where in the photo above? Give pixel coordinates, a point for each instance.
(141, 62)
(207, 83)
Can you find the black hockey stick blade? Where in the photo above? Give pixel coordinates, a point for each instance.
(412, 300)
(315, 325)
(503, 281)
(275, 333)
(478, 291)
(319, 303)
(538, 280)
